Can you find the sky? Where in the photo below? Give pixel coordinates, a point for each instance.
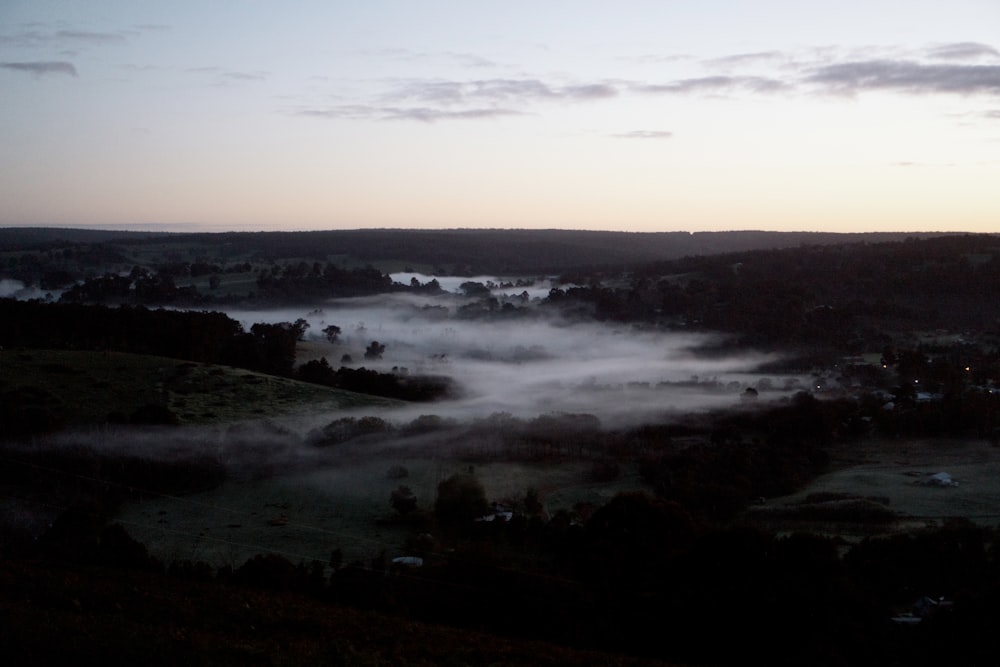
(881, 115)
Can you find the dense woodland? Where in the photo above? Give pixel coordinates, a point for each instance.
(671, 573)
(461, 252)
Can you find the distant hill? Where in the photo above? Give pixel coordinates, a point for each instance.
(501, 251)
(28, 238)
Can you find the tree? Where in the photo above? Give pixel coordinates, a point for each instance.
(403, 500)
(299, 328)
(332, 333)
(474, 289)
(374, 350)
(532, 503)
(460, 499)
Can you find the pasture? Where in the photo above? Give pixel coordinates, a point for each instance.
(896, 474)
(305, 515)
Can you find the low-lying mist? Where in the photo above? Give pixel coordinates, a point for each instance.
(528, 360)
(513, 371)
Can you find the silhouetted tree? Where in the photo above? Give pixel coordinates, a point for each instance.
(460, 499)
(332, 333)
(403, 500)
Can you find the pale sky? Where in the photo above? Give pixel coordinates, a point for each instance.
(874, 115)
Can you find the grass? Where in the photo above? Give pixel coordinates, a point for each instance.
(305, 515)
(85, 388)
(888, 475)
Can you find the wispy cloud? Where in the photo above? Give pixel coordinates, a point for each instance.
(42, 68)
(521, 91)
(908, 77)
(88, 37)
(963, 51)
(644, 134)
(716, 85)
(463, 59)
(651, 59)
(223, 77)
(422, 114)
(969, 68)
(244, 76)
(431, 115)
(62, 39)
(953, 68)
(442, 99)
(747, 59)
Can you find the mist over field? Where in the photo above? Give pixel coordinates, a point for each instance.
(531, 364)
(16, 289)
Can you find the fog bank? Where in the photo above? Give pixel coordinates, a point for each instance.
(533, 362)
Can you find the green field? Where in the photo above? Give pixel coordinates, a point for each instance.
(304, 516)
(82, 388)
(896, 473)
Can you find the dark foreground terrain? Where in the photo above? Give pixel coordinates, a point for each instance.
(712, 546)
(57, 614)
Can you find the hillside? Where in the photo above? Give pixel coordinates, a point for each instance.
(56, 613)
(78, 388)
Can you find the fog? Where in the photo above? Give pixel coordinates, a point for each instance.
(539, 287)
(508, 370)
(532, 363)
(10, 288)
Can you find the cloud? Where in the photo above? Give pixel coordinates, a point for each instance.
(650, 59)
(969, 69)
(907, 76)
(963, 51)
(463, 59)
(717, 84)
(594, 91)
(521, 91)
(422, 114)
(940, 69)
(743, 59)
(83, 36)
(431, 115)
(470, 60)
(644, 134)
(41, 68)
(66, 40)
(244, 76)
(441, 100)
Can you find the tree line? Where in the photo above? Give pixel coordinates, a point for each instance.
(201, 336)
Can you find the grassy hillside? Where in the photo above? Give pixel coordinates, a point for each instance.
(54, 614)
(76, 388)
